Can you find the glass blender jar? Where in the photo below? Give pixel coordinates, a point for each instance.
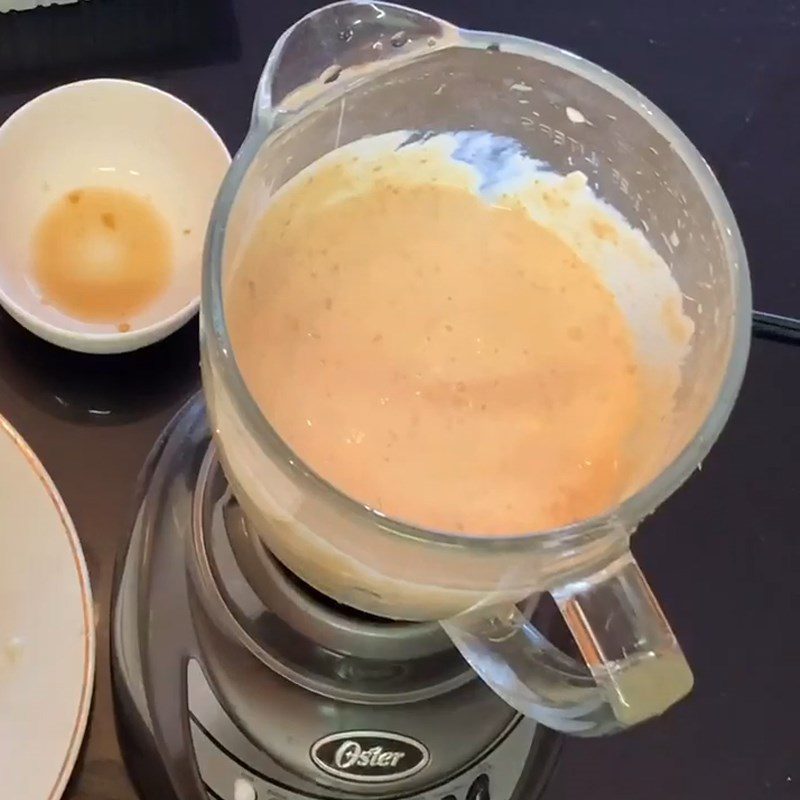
(356, 69)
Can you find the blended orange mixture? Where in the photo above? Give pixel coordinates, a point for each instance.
(445, 361)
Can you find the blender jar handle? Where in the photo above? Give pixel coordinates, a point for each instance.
(636, 669)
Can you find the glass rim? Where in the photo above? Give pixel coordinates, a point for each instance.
(632, 508)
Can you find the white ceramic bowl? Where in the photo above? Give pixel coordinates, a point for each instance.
(107, 133)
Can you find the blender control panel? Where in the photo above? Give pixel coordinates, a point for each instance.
(232, 768)
(495, 778)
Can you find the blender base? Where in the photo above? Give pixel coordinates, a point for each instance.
(241, 684)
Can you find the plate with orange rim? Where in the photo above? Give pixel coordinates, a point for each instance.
(47, 638)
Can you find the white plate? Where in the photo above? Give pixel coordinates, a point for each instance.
(46, 630)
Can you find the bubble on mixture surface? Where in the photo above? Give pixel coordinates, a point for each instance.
(500, 170)
(14, 649)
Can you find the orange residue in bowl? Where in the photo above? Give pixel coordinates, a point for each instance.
(102, 254)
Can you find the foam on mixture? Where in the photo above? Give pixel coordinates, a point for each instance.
(439, 387)
(496, 168)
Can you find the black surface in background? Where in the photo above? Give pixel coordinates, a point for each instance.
(57, 44)
(723, 554)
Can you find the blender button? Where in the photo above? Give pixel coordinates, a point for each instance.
(479, 789)
(244, 790)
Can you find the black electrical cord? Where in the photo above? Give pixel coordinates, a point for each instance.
(774, 326)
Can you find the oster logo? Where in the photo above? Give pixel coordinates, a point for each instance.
(369, 756)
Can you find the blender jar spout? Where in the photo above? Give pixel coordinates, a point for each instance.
(330, 48)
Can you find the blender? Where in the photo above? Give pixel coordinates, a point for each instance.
(275, 638)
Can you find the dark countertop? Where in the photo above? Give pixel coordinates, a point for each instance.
(723, 554)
